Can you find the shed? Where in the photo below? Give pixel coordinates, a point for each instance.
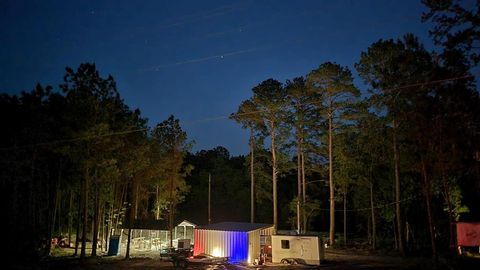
(239, 241)
(150, 234)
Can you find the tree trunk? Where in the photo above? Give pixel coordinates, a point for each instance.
(428, 203)
(59, 198)
(407, 234)
(172, 201)
(395, 237)
(372, 212)
(170, 212)
(369, 231)
(299, 183)
(85, 215)
(252, 178)
(70, 216)
(109, 225)
(345, 218)
(13, 220)
(59, 207)
(56, 203)
(274, 178)
(157, 199)
(396, 158)
(131, 216)
(451, 224)
(129, 237)
(48, 246)
(304, 189)
(110, 222)
(330, 178)
(137, 191)
(102, 227)
(170, 224)
(31, 198)
(77, 231)
(96, 218)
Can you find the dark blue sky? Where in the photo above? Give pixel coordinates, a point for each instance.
(195, 59)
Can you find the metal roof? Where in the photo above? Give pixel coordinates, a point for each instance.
(152, 224)
(235, 226)
(187, 223)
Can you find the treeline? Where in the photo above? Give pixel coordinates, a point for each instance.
(398, 164)
(80, 162)
(407, 149)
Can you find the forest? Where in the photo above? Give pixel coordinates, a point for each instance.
(392, 163)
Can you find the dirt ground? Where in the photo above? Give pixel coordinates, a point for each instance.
(334, 259)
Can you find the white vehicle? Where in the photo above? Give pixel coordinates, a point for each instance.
(301, 249)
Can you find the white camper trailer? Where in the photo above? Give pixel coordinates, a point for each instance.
(297, 249)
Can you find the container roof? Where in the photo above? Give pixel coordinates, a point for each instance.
(235, 226)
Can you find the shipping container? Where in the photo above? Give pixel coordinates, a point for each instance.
(238, 241)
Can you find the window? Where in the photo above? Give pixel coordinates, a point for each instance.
(265, 240)
(285, 244)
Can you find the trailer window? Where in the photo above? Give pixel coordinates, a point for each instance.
(285, 244)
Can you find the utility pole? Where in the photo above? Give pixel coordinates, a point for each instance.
(252, 179)
(209, 196)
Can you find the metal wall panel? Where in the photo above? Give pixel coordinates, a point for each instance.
(233, 245)
(238, 246)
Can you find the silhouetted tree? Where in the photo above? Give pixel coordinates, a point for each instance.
(334, 84)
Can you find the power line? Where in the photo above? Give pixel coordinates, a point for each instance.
(76, 139)
(215, 118)
(370, 208)
(430, 82)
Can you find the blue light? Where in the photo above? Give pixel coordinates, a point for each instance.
(237, 246)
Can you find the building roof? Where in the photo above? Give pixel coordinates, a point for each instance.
(152, 224)
(187, 223)
(235, 226)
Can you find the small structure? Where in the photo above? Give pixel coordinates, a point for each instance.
(304, 249)
(154, 235)
(114, 245)
(240, 242)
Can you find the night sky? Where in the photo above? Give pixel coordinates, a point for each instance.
(195, 59)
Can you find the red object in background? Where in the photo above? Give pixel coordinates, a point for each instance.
(468, 234)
